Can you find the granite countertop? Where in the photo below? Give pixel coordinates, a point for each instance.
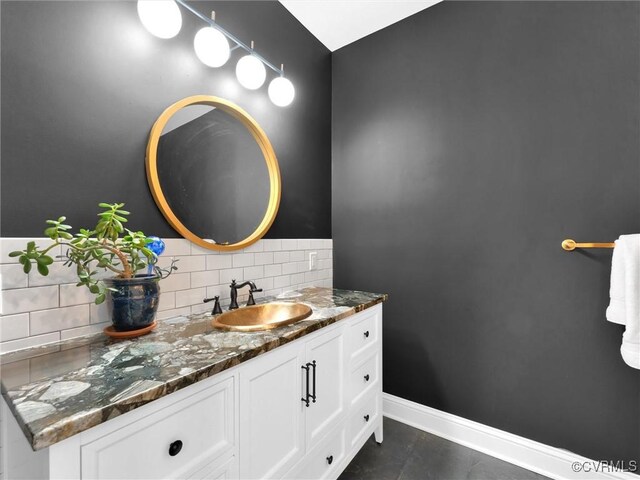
(62, 389)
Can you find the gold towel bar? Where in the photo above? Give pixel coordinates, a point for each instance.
(570, 245)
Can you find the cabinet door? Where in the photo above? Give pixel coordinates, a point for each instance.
(327, 351)
(271, 420)
(168, 443)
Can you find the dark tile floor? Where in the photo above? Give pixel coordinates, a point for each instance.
(411, 454)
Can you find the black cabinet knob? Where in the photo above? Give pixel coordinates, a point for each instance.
(366, 418)
(175, 448)
(330, 459)
(366, 377)
(366, 334)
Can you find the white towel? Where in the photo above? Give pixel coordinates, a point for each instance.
(624, 307)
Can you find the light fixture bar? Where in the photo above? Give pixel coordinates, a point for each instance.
(230, 36)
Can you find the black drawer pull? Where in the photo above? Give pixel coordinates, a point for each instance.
(313, 397)
(175, 448)
(366, 377)
(366, 418)
(306, 398)
(330, 459)
(366, 334)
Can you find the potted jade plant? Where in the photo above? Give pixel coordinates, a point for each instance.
(132, 293)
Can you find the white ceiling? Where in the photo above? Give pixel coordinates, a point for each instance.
(337, 23)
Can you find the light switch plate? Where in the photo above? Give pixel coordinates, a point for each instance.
(313, 260)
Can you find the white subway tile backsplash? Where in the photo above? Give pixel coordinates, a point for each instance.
(46, 321)
(228, 275)
(221, 291)
(99, 313)
(263, 258)
(272, 245)
(167, 301)
(256, 247)
(282, 281)
(281, 257)
(296, 256)
(193, 263)
(28, 299)
(176, 281)
(58, 274)
(253, 273)
(41, 310)
(12, 276)
(289, 244)
(242, 260)
(289, 268)
(273, 270)
(190, 297)
(72, 295)
(205, 278)
(13, 327)
(200, 308)
(176, 246)
(265, 284)
(304, 244)
(218, 262)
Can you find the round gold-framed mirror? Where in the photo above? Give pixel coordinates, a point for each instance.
(216, 148)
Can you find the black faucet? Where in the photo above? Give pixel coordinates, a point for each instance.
(216, 306)
(234, 293)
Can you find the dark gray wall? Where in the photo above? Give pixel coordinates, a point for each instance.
(83, 82)
(468, 141)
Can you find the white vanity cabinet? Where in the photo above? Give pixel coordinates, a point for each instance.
(281, 419)
(250, 421)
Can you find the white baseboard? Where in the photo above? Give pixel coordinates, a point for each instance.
(537, 457)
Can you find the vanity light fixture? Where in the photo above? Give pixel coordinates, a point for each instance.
(250, 71)
(161, 17)
(211, 45)
(281, 91)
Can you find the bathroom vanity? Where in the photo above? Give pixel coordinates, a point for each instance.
(190, 401)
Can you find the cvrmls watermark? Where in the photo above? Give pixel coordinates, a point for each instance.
(599, 466)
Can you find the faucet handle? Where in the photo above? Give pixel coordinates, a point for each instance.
(216, 306)
(252, 289)
(250, 300)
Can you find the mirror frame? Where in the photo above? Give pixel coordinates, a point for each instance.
(262, 141)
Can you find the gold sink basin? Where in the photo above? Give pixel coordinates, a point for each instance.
(262, 317)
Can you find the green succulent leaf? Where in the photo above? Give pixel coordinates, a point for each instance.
(26, 267)
(43, 269)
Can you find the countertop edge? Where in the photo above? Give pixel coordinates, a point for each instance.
(63, 430)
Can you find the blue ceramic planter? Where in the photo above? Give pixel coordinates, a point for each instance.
(134, 303)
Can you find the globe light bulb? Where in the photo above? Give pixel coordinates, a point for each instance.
(281, 91)
(250, 72)
(211, 46)
(162, 18)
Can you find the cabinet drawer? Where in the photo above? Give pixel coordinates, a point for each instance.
(168, 443)
(364, 378)
(363, 334)
(227, 471)
(363, 419)
(322, 461)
